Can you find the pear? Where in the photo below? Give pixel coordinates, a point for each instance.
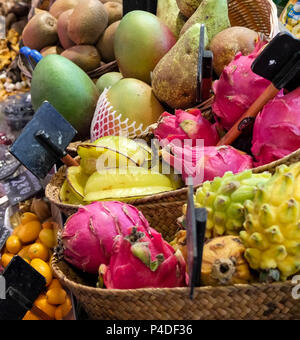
(212, 13)
(169, 13)
(174, 79)
(188, 7)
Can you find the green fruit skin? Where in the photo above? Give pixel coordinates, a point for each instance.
(107, 80)
(212, 13)
(68, 89)
(141, 40)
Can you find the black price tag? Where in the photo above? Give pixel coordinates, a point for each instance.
(8, 168)
(145, 5)
(22, 187)
(196, 226)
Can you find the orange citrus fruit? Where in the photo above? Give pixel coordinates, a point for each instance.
(42, 303)
(47, 237)
(24, 252)
(43, 268)
(55, 284)
(38, 251)
(13, 244)
(28, 217)
(56, 296)
(6, 258)
(16, 230)
(63, 310)
(29, 231)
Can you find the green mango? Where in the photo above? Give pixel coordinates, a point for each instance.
(169, 13)
(212, 13)
(66, 87)
(174, 79)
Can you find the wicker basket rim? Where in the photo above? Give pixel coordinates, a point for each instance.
(123, 292)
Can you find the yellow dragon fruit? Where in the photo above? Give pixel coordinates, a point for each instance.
(272, 225)
(224, 199)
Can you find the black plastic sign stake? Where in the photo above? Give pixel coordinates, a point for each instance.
(279, 62)
(22, 187)
(142, 5)
(204, 70)
(23, 286)
(196, 226)
(4, 232)
(44, 141)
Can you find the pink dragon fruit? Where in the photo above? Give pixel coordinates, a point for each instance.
(143, 261)
(88, 235)
(186, 125)
(237, 89)
(204, 164)
(277, 129)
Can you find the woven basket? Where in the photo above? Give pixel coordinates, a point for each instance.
(238, 302)
(94, 74)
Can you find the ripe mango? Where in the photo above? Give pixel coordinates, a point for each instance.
(141, 40)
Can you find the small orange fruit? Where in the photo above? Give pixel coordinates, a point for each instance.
(13, 244)
(63, 310)
(43, 268)
(29, 231)
(24, 252)
(55, 284)
(16, 230)
(47, 237)
(38, 251)
(6, 258)
(42, 303)
(28, 217)
(56, 296)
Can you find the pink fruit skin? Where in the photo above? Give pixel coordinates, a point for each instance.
(88, 235)
(186, 125)
(277, 129)
(204, 164)
(237, 89)
(126, 271)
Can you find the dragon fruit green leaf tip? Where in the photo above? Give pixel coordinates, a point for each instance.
(237, 88)
(277, 129)
(88, 235)
(142, 261)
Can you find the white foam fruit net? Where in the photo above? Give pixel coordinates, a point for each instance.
(108, 122)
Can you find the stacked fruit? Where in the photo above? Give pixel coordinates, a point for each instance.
(81, 31)
(33, 239)
(261, 212)
(114, 168)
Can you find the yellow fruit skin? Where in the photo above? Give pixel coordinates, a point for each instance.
(272, 233)
(223, 262)
(56, 296)
(6, 258)
(47, 237)
(13, 244)
(63, 310)
(30, 231)
(44, 269)
(38, 251)
(43, 304)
